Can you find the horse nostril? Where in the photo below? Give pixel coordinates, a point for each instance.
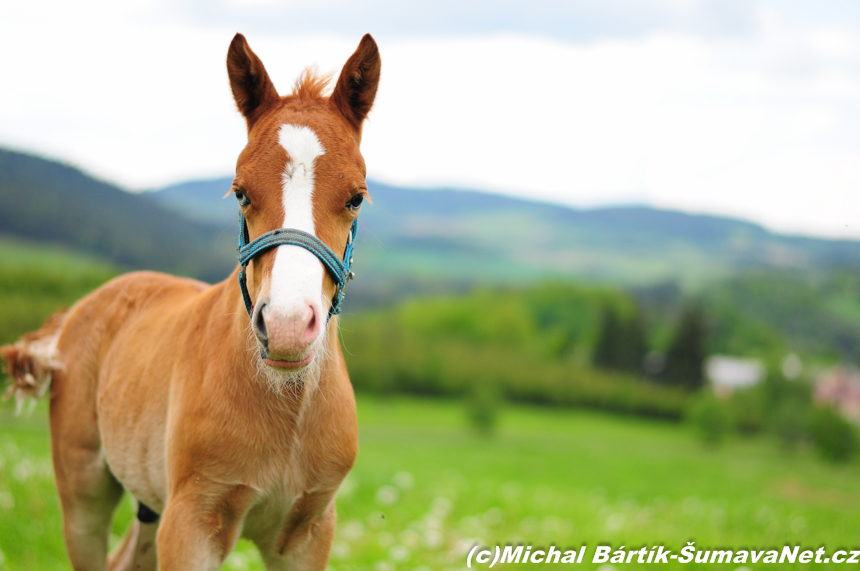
(258, 324)
(311, 328)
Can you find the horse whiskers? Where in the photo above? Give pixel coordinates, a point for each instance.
(293, 384)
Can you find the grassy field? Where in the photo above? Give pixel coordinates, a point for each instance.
(426, 487)
(37, 279)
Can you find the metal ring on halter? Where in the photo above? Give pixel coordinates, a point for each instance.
(337, 268)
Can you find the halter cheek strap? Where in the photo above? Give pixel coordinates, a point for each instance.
(337, 268)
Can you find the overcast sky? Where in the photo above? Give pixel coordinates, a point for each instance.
(746, 108)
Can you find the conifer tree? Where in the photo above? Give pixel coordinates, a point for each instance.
(633, 346)
(686, 355)
(609, 340)
(621, 345)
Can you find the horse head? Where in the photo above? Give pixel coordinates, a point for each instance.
(301, 170)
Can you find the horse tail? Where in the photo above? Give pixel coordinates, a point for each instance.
(32, 360)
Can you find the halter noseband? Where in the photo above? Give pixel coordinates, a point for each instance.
(339, 270)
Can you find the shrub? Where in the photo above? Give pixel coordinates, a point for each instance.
(834, 437)
(482, 406)
(786, 407)
(710, 418)
(386, 353)
(745, 409)
(790, 422)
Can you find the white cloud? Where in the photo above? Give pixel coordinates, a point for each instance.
(764, 125)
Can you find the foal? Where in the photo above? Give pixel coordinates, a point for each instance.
(221, 422)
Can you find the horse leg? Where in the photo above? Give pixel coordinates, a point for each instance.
(88, 491)
(309, 553)
(201, 525)
(88, 495)
(137, 550)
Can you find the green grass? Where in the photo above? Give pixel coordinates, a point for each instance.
(21, 253)
(37, 279)
(425, 487)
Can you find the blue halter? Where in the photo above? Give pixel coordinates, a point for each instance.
(339, 270)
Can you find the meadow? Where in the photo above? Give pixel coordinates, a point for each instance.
(37, 279)
(426, 487)
(466, 299)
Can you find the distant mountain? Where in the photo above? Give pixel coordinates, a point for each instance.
(462, 236)
(199, 200)
(766, 293)
(409, 239)
(47, 201)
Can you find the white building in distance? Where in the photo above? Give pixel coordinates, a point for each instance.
(728, 374)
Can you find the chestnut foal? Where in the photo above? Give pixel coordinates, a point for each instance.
(221, 424)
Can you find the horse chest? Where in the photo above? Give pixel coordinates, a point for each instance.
(286, 513)
(299, 489)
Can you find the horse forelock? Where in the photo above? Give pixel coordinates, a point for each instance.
(312, 84)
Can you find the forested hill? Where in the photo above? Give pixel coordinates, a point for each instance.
(49, 202)
(462, 235)
(408, 238)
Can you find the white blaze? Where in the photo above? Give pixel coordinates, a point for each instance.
(297, 274)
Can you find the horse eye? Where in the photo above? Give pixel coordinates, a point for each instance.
(354, 203)
(243, 200)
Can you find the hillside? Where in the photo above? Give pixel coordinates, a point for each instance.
(52, 203)
(410, 240)
(37, 279)
(461, 236)
(766, 293)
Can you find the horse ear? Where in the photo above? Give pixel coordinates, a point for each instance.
(356, 87)
(252, 88)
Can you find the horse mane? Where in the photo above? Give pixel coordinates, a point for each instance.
(311, 84)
